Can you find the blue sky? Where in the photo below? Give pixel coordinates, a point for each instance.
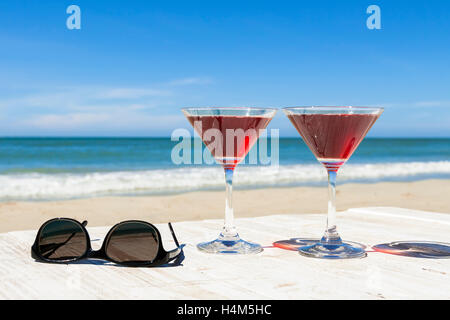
(134, 64)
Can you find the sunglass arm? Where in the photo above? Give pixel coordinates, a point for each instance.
(173, 235)
(174, 253)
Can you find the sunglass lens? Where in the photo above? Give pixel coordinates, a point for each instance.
(133, 242)
(62, 240)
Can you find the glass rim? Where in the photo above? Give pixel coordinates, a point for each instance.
(366, 108)
(229, 108)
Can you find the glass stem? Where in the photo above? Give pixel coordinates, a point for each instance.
(331, 236)
(229, 230)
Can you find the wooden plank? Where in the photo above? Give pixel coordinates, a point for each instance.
(273, 274)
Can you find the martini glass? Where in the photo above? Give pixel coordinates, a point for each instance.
(229, 133)
(333, 134)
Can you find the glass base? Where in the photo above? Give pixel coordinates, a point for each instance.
(229, 245)
(294, 244)
(341, 251)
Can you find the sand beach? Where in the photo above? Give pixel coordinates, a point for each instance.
(427, 195)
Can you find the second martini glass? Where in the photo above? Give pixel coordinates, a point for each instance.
(332, 134)
(229, 133)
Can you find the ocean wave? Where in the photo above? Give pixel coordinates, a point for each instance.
(44, 186)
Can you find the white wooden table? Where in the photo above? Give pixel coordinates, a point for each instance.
(273, 274)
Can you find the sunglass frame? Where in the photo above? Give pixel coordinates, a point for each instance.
(162, 256)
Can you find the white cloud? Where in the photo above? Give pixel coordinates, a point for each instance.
(66, 121)
(432, 104)
(436, 103)
(190, 81)
(130, 93)
(76, 98)
(106, 121)
(90, 110)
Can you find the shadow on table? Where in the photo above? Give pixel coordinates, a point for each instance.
(175, 263)
(415, 249)
(294, 244)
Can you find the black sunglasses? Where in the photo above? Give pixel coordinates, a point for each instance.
(131, 243)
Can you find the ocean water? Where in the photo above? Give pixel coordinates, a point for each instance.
(61, 168)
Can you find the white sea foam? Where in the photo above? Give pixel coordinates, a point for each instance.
(38, 186)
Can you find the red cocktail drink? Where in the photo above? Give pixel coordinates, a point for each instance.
(229, 138)
(229, 134)
(333, 134)
(333, 137)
